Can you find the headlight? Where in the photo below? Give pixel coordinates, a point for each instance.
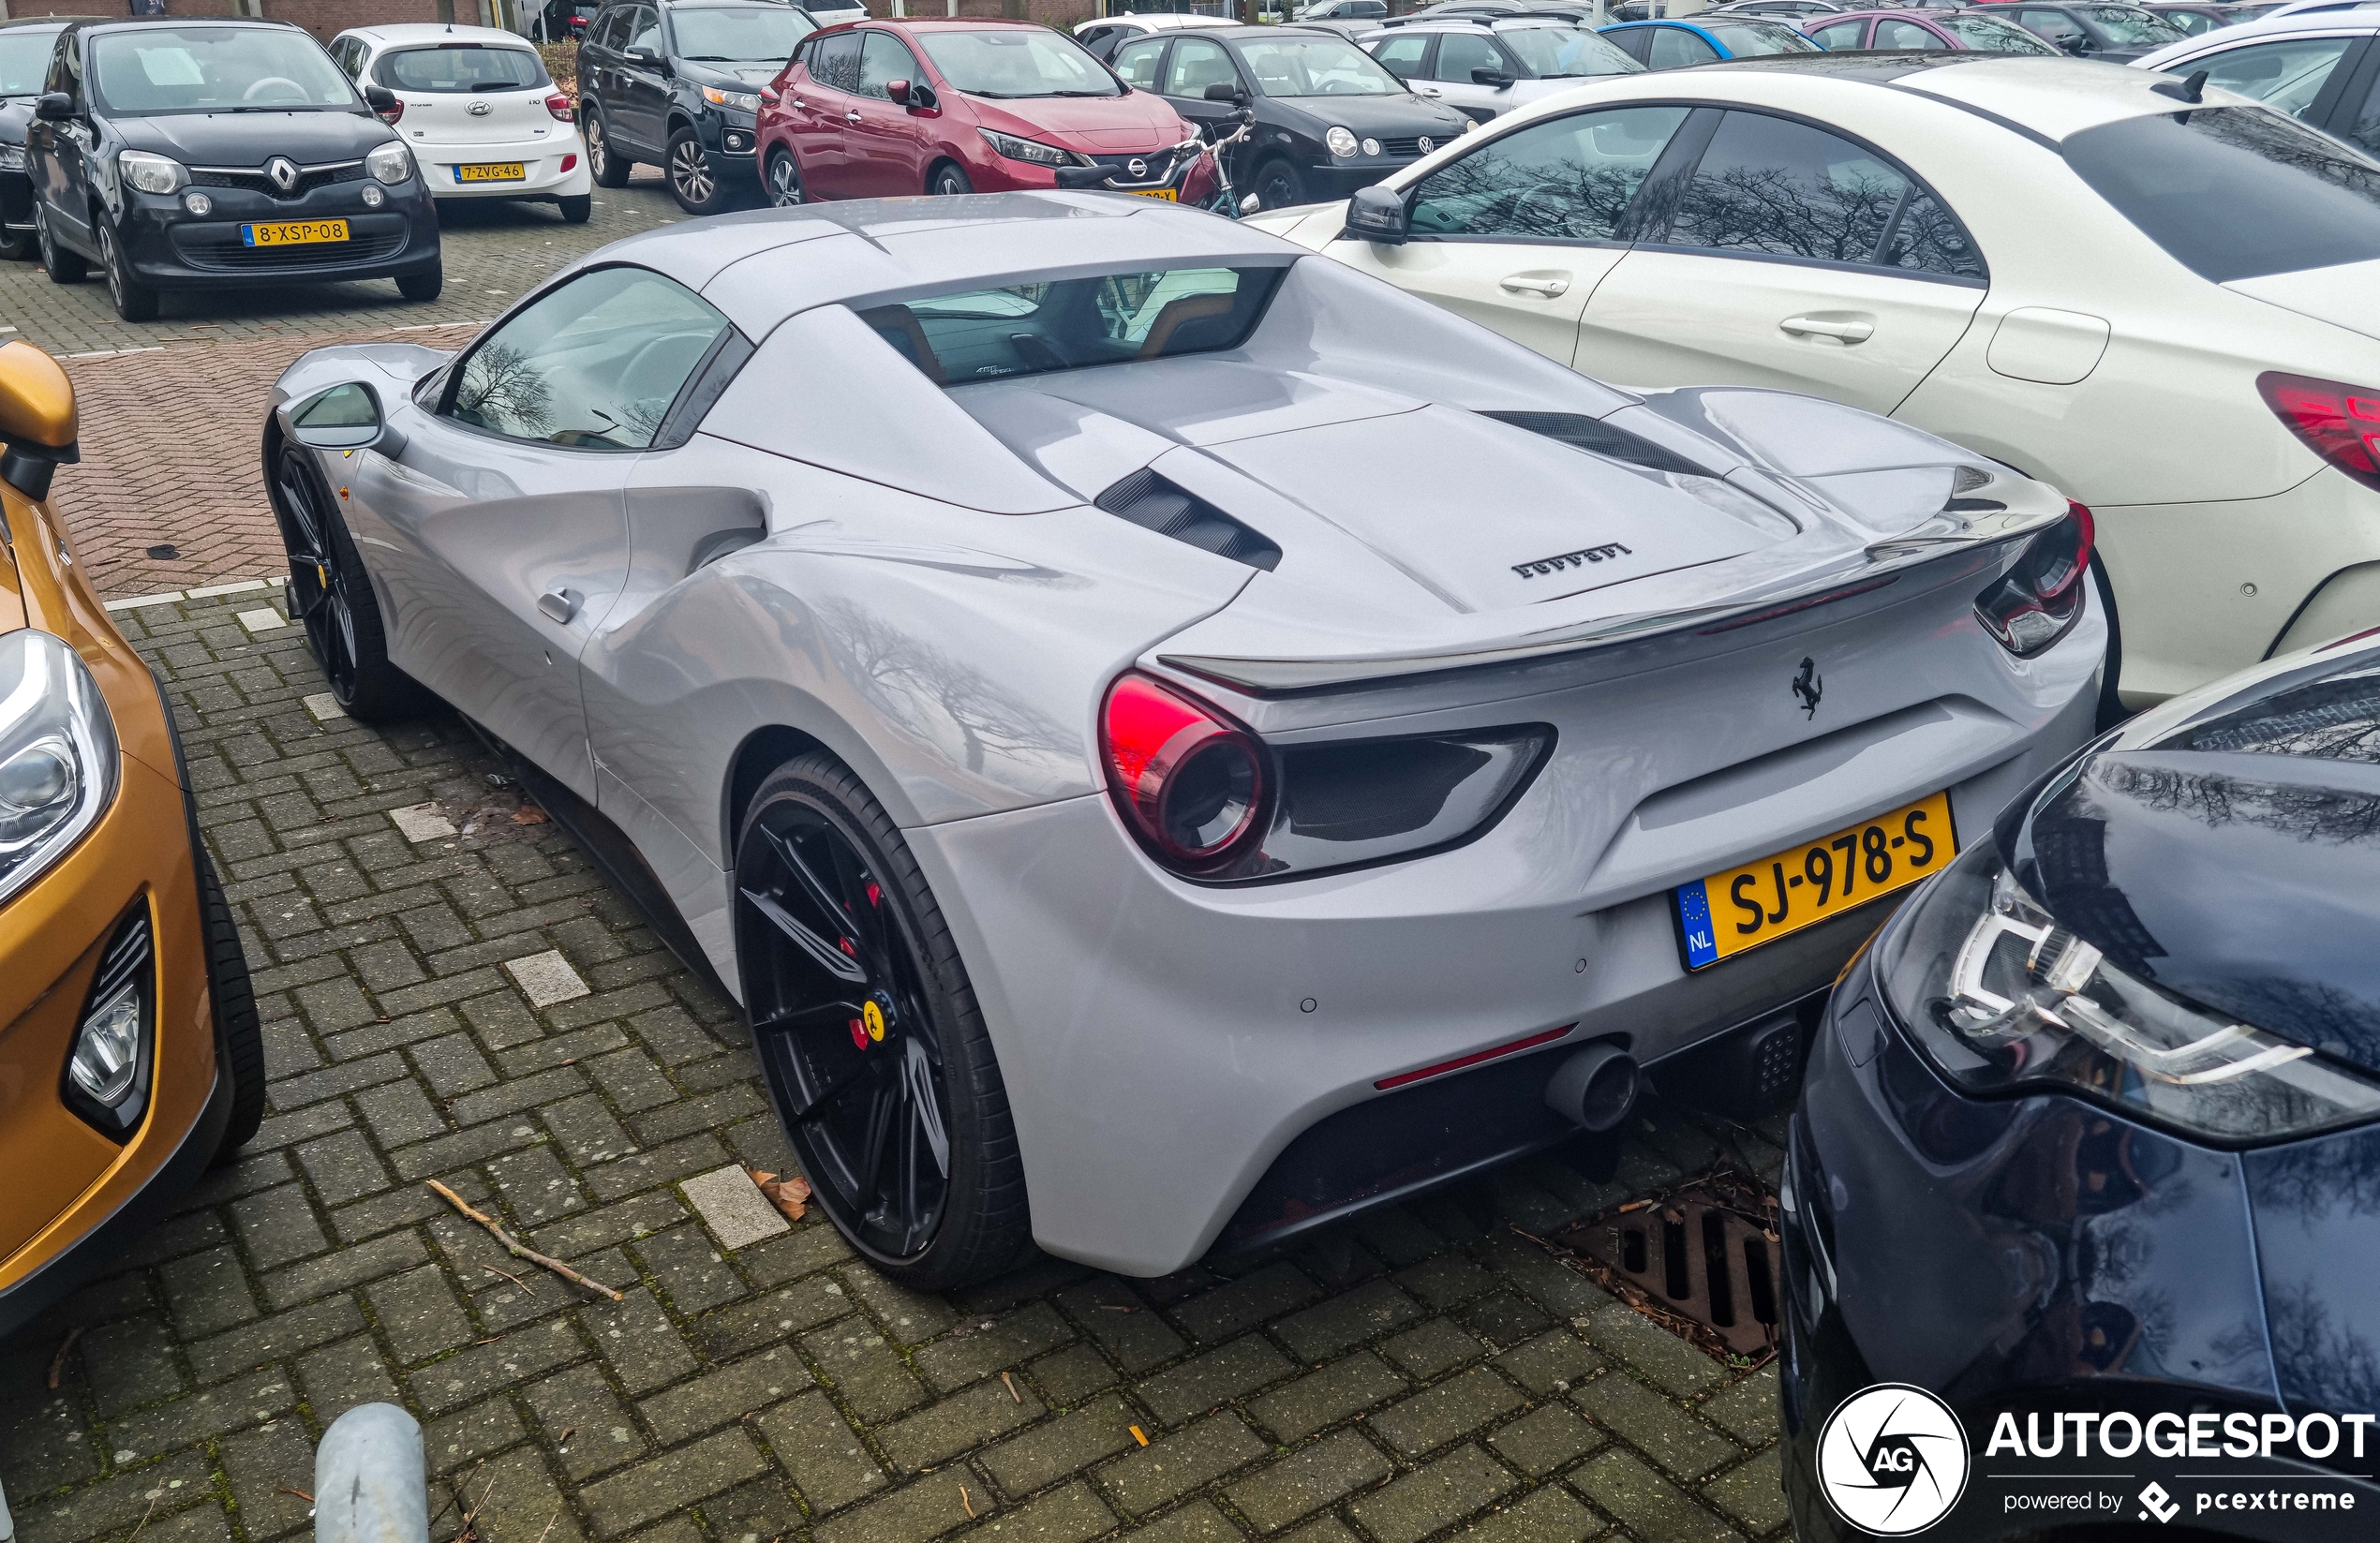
(151, 173)
(742, 102)
(391, 163)
(1469, 124)
(11, 158)
(1340, 142)
(58, 759)
(2004, 999)
(1028, 150)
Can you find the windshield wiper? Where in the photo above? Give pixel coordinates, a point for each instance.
(1080, 94)
(710, 58)
(286, 107)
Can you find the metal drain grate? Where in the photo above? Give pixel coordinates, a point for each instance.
(1706, 1253)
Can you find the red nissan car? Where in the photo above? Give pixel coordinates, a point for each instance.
(883, 108)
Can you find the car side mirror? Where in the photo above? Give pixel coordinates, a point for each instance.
(345, 416)
(55, 107)
(1488, 76)
(644, 56)
(36, 418)
(1377, 214)
(899, 92)
(383, 102)
(1226, 91)
(2076, 46)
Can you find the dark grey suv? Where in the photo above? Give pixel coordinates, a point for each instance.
(679, 86)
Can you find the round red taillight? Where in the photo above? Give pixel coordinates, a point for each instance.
(1189, 781)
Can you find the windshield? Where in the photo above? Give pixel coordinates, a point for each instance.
(215, 69)
(2130, 28)
(1990, 35)
(1555, 52)
(1109, 318)
(24, 59)
(1317, 66)
(762, 34)
(1751, 40)
(1017, 62)
(2235, 192)
(461, 66)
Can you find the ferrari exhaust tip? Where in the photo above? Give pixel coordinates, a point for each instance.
(1595, 1088)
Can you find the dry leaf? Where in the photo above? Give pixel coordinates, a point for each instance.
(528, 814)
(787, 1195)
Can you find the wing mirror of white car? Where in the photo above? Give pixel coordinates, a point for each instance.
(1377, 214)
(345, 416)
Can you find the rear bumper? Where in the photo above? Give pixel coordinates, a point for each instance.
(543, 174)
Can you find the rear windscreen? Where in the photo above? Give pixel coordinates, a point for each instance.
(461, 66)
(1067, 324)
(2235, 192)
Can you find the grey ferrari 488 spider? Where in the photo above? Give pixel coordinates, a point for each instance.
(1172, 741)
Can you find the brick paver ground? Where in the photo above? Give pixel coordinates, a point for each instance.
(1429, 1373)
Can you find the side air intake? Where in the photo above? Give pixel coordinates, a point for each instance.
(1592, 434)
(1152, 502)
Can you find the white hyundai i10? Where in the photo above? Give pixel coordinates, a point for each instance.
(2156, 301)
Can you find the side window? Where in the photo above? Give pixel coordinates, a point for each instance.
(612, 31)
(1674, 48)
(883, 58)
(1785, 189)
(1632, 42)
(2362, 129)
(1403, 56)
(1197, 64)
(1564, 179)
(2286, 74)
(1138, 61)
(1839, 34)
(593, 365)
(837, 64)
(2056, 26)
(1460, 53)
(645, 31)
(65, 68)
(1898, 34)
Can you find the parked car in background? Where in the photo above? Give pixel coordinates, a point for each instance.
(477, 109)
(1953, 30)
(561, 21)
(129, 1050)
(1104, 36)
(1329, 117)
(186, 153)
(1675, 45)
(1342, 11)
(2194, 17)
(941, 105)
(681, 87)
(1485, 68)
(832, 13)
(2116, 34)
(1262, 695)
(2321, 67)
(1787, 11)
(1899, 232)
(24, 64)
(2094, 1121)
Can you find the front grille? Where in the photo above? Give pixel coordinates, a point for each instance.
(1405, 147)
(219, 247)
(1156, 164)
(309, 178)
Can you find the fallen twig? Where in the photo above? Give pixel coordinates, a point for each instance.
(549, 1523)
(283, 1489)
(1014, 1396)
(58, 1363)
(520, 1250)
(143, 1522)
(969, 1503)
(507, 1274)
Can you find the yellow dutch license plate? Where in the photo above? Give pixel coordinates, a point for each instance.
(491, 172)
(1725, 914)
(294, 232)
(1164, 193)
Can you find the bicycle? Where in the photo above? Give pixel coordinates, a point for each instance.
(1183, 161)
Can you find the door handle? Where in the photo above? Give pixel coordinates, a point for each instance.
(558, 605)
(798, 103)
(1845, 332)
(1548, 285)
(1430, 91)
(851, 117)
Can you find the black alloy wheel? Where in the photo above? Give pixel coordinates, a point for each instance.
(134, 300)
(948, 181)
(878, 1062)
(17, 245)
(608, 167)
(1277, 186)
(331, 596)
(784, 180)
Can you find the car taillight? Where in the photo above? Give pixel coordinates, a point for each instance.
(2038, 601)
(2339, 423)
(1189, 782)
(560, 106)
(394, 110)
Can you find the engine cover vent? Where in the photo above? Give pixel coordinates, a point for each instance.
(1152, 502)
(1592, 434)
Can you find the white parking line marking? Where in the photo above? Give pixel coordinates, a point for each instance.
(135, 601)
(237, 586)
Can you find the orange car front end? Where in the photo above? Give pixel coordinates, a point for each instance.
(116, 1091)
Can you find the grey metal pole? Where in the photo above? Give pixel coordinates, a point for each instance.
(370, 1484)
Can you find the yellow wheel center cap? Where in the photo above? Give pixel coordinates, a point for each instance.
(873, 1017)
